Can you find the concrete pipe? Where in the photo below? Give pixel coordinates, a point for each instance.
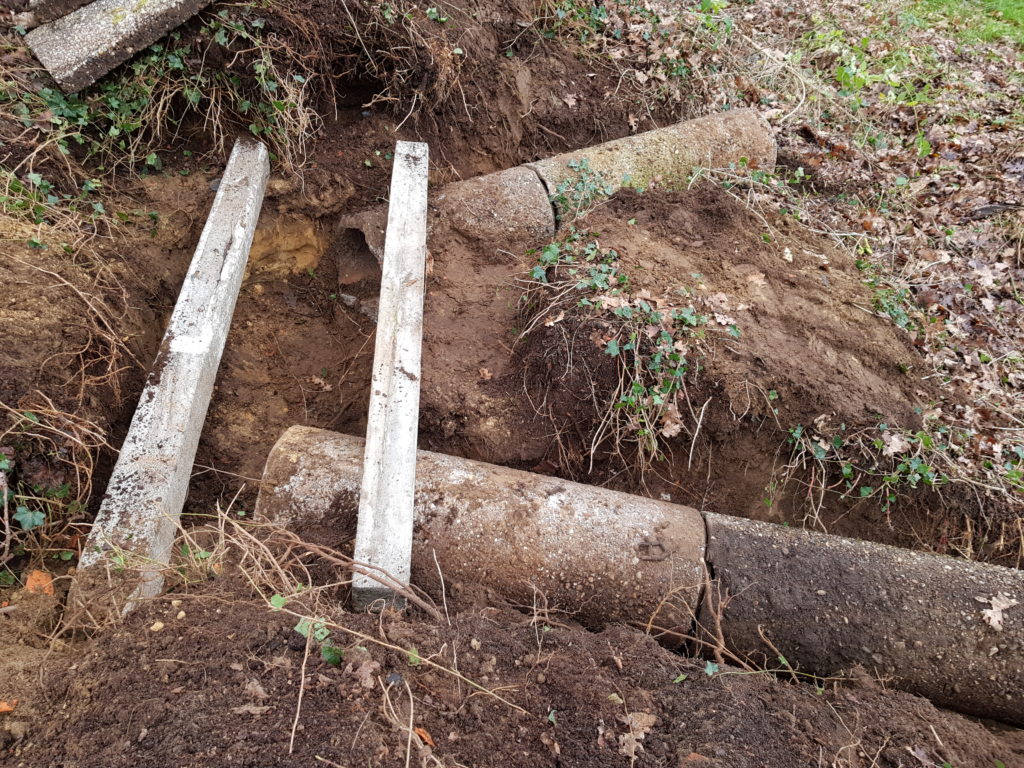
(515, 206)
(668, 155)
(829, 604)
(930, 625)
(602, 556)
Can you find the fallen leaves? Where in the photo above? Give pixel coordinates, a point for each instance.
(895, 444)
(7, 706)
(639, 724)
(994, 615)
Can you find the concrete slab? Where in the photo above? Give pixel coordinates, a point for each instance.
(384, 530)
(81, 47)
(130, 542)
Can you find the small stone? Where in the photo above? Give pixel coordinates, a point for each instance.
(157, 626)
(181, 615)
(175, 603)
(474, 644)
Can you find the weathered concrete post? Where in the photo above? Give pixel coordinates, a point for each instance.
(384, 532)
(521, 203)
(81, 47)
(48, 10)
(667, 156)
(829, 603)
(130, 542)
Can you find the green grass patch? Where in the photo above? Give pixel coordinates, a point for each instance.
(980, 20)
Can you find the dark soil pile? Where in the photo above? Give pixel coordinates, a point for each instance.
(215, 677)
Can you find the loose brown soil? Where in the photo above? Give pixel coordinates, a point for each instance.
(221, 683)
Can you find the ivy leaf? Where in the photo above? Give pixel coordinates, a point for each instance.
(710, 669)
(612, 348)
(331, 654)
(277, 602)
(29, 518)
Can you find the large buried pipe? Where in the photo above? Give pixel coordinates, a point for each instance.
(924, 623)
(521, 203)
(929, 624)
(603, 556)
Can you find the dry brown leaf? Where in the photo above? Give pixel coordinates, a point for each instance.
(550, 321)
(8, 706)
(994, 615)
(550, 743)
(639, 724)
(671, 421)
(364, 672)
(255, 690)
(320, 384)
(424, 734)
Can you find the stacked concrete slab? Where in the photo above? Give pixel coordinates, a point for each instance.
(81, 43)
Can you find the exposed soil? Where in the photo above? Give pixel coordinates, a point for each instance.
(808, 336)
(219, 678)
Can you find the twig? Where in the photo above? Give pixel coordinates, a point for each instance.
(5, 553)
(302, 687)
(412, 710)
(444, 597)
(693, 440)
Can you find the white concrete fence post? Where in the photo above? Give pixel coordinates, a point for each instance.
(131, 539)
(384, 530)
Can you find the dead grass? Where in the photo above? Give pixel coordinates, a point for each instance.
(71, 444)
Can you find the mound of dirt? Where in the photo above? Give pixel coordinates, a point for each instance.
(808, 347)
(212, 676)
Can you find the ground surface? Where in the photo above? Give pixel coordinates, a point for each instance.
(220, 681)
(860, 308)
